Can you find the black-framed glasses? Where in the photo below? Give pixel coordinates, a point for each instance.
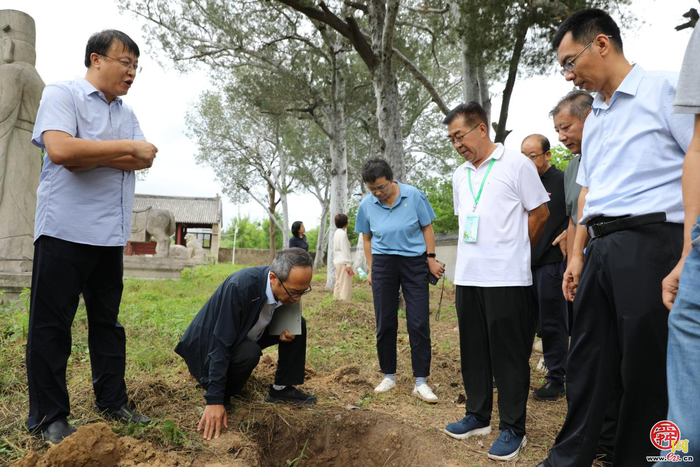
(125, 63)
(569, 66)
(295, 294)
(458, 139)
(534, 156)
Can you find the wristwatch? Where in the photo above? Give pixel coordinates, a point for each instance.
(431, 255)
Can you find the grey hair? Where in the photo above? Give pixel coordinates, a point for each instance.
(285, 260)
(578, 103)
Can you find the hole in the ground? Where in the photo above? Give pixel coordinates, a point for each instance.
(336, 437)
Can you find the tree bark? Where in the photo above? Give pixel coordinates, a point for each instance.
(521, 32)
(273, 221)
(283, 201)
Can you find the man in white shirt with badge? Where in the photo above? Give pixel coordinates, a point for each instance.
(502, 210)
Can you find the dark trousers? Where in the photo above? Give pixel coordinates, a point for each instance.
(389, 272)
(553, 318)
(246, 355)
(619, 341)
(496, 329)
(61, 272)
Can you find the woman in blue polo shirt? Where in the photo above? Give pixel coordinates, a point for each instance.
(396, 222)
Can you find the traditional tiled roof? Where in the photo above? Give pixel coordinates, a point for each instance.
(187, 210)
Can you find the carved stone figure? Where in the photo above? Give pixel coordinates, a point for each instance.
(150, 223)
(195, 248)
(20, 161)
(179, 252)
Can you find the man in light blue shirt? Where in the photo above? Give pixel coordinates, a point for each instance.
(93, 145)
(632, 213)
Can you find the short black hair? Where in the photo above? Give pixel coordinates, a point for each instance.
(100, 42)
(544, 142)
(472, 112)
(375, 168)
(585, 25)
(577, 102)
(341, 220)
(295, 227)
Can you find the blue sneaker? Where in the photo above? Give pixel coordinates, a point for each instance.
(466, 427)
(507, 445)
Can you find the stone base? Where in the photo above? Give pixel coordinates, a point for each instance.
(145, 267)
(12, 284)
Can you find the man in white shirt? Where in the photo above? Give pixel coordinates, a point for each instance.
(502, 210)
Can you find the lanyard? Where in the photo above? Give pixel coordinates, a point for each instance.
(483, 181)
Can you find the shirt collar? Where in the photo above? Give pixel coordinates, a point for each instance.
(629, 86)
(402, 195)
(496, 154)
(270, 296)
(88, 89)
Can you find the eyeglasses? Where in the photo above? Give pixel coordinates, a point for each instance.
(458, 139)
(569, 66)
(125, 63)
(295, 294)
(534, 156)
(380, 188)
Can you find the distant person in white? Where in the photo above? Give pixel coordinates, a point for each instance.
(342, 260)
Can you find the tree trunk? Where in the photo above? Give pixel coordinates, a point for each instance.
(283, 201)
(521, 32)
(322, 237)
(273, 221)
(338, 149)
(382, 16)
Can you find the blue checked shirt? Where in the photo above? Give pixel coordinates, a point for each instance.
(92, 207)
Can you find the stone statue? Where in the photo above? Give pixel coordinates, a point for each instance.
(179, 252)
(151, 223)
(194, 247)
(20, 161)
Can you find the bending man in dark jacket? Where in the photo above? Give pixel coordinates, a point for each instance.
(224, 342)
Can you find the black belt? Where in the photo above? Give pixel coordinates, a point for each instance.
(600, 226)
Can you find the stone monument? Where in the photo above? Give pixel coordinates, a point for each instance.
(20, 161)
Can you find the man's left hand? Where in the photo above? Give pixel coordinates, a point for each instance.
(286, 336)
(561, 241)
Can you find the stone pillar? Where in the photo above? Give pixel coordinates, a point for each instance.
(20, 161)
(215, 241)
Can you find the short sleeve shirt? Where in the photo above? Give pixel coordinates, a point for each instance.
(571, 188)
(688, 95)
(633, 149)
(91, 207)
(396, 230)
(501, 255)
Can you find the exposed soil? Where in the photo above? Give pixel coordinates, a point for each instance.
(350, 425)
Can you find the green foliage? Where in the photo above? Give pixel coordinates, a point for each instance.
(439, 193)
(561, 156)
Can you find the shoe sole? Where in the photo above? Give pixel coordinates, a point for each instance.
(512, 455)
(429, 401)
(384, 392)
(477, 432)
(288, 401)
(548, 399)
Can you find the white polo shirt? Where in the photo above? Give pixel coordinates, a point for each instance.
(501, 255)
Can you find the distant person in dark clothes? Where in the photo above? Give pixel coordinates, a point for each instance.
(548, 265)
(224, 342)
(298, 239)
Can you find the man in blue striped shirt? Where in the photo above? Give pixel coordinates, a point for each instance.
(93, 146)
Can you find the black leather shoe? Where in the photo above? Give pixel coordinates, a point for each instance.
(55, 432)
(125, 414)
(551, 391)
(290, 394)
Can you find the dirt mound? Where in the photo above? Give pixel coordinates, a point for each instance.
(96, 445)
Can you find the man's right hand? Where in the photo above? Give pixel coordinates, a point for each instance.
(213, 418)
(572, 275)
(144, 151)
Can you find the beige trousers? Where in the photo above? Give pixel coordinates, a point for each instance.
(343, 283)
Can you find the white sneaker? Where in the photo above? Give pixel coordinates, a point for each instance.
(385, 386)
(424, 392)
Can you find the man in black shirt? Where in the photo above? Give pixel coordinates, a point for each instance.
(548, 265)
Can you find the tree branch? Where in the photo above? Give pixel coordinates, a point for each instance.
(424, 80)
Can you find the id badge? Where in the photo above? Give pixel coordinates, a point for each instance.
(471, 228)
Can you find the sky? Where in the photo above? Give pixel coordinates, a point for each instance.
(161, 97)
